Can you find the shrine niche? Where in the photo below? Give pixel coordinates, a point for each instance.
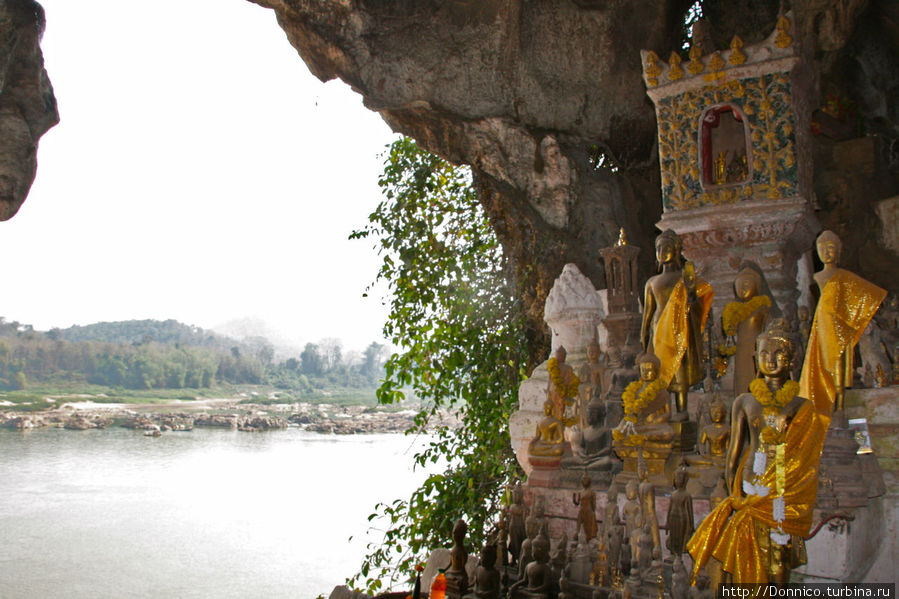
(723, 145)
(730, 140)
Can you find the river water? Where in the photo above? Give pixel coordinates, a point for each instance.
(206, 513)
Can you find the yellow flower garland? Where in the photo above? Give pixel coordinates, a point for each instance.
(556, 377)
(773, 404)
(633, 403)
(736, 312)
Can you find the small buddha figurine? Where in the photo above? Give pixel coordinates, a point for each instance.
(456, 576)
(586, 515)
(549, 437)
(596, 438)
(632, 509)
(600, 575)
(680, 514)
(592, 377)
(776, 442)
(805, 325)
(618, 375)
(487, 577)
(744, 319)
(647, 404)
(846, 306)
(715, 435)
(532, 526)
(562, 388)
(645, 549)
(647, 496)
(537, 579)
(612, 516)
(634, 542)
(517, 515)
(675, 307)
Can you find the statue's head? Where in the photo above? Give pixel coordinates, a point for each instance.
(612, 493)
(596, 411)
(547, 408)
(829, 247)
(649, 366)
(680, 476)
(718, 411)
(459, 530)
(531, 526)
(803, 313)
(747, 284)
(585, 481)
(561, 353)
(774, 350)
(614, 355)
(488, 554)
(630, 490)
(593, 351)
(668, 247)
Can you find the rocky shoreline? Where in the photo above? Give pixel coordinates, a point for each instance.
(156, 419)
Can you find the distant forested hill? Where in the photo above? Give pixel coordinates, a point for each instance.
(142, 331)
(153, 354)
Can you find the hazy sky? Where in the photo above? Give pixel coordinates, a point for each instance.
(199, 172)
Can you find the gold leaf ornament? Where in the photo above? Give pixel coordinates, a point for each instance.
(736, 51)
(675, 72)
(653, 70)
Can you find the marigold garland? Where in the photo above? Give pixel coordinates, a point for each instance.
(566, 391)
(736, 312)
(772, 404)
(633, 403)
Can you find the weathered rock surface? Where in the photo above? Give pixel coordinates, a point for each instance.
(27, 104)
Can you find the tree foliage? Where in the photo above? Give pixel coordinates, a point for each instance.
(455, 316)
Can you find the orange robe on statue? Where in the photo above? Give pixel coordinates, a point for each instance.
(729, 532)
(847, 304)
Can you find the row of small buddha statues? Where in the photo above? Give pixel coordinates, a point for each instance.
(618, 552)
(777, 427)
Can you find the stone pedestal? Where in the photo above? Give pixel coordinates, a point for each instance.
(654, 454)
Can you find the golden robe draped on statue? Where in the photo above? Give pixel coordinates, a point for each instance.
(672, 336)
(847, 304)
(729, 532)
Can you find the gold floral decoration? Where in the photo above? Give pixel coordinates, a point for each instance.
(634, 403)
(695, 66)
(675, 72)
(653, 70)
(737, 57)
(567, 391)
(736, 312)
(783, 39)
(772, 404)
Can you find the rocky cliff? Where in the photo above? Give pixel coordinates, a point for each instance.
(27, 104)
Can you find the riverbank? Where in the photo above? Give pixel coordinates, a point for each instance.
(183, 415)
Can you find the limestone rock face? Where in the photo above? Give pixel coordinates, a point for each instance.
(27, 104)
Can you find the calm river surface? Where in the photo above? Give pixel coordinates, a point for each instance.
(206, 513)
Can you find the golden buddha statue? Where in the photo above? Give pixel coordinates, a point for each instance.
(743, 320)
(715, 435)
(772, 471)
(550, 435)
(675, 306)
(846, 306)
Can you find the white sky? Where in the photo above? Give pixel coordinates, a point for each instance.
(199, 172)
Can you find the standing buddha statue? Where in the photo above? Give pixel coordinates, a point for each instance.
(675, 307)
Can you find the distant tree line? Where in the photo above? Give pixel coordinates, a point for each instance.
(151, 354)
